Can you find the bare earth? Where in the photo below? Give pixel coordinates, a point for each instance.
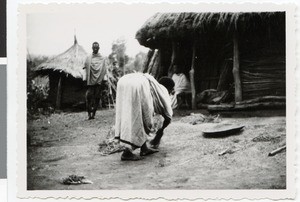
(67, 143)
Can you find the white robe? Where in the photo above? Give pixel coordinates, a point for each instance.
(182, 84)
(138, 97)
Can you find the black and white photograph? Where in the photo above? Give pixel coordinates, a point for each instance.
(156, 97)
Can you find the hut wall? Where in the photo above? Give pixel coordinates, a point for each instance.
(214, 52)
(53, 82)
(263, 67)
(185, 56)
(262, 59)
(166, 54)
(73, 91)
(262, 62)
(263, 73)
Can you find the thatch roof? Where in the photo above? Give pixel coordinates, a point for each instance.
(164, 26)
(70, 62)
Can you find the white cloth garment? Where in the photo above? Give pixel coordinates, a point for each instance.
(182, 84)
(139, 96)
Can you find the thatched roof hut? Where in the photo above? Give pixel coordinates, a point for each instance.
(69, 62)
(240, 51)
(66, 76)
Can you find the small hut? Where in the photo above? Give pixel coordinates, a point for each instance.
(242, 53)
(66, 76)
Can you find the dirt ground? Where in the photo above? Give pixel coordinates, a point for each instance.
(67, 143)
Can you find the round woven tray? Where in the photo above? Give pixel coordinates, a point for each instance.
(222, 130)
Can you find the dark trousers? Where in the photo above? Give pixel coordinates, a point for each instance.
(93, 95)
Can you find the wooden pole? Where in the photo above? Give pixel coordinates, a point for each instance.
(58, 96)
(236, 69)
(155, 66)
(173, 58)
(152, 62)
(158, 67)
(223, 83)
(276, 151)
(161, 70)
(192, 77)
(147, 61)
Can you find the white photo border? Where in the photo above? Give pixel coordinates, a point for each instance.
(288, 193)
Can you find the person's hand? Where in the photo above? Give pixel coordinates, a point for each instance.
(116, 140)
(156, 140)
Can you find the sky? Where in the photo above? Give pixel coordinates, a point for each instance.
(51, 33)
(50, 29)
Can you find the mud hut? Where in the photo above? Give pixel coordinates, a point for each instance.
(66, 76)
(241, 53)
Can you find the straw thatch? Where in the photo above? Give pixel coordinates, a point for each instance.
(164, 26)
(70, 62)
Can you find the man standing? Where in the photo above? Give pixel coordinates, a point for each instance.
(95, 76)
(139, 96)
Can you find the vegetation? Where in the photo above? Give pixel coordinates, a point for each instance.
(118, 53)
(37, 89)
(135, 64)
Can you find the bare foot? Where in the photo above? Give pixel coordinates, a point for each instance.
(127, 155)
(148, 152)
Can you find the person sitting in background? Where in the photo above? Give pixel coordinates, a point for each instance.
(182, 89)
(139, 96)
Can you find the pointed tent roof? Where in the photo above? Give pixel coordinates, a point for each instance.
(70, 62)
